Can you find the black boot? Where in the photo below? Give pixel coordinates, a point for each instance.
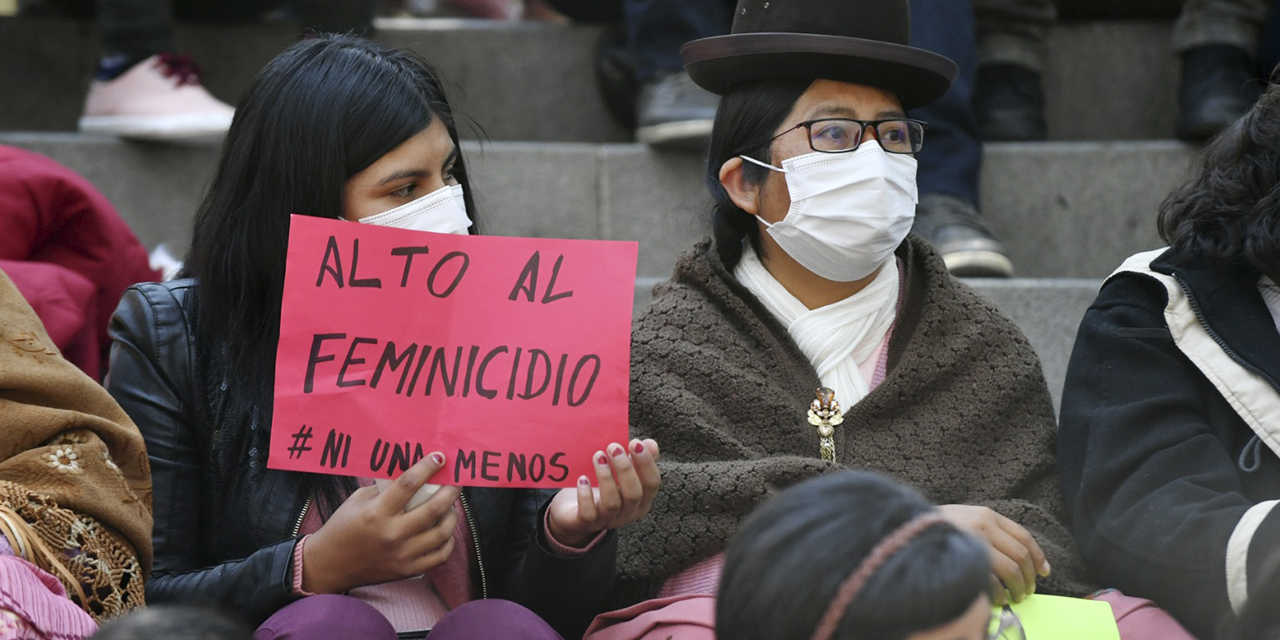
(955, 229)
(1217, 88)
(1009, 103)
(615, 69)
(673, 112)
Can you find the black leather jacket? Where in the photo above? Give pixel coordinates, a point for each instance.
(225, 530)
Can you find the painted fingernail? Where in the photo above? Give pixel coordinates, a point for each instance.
(584, 482)
(616, 451)
(438, 457)
(601, 460)
(638, 447)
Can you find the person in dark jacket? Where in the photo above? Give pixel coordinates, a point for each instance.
(1169, 442)
(337, 127)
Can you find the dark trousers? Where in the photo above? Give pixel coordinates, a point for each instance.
(952, 155)
(332, 616)
(656, 29)
(142, 28)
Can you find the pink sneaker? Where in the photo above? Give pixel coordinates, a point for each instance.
(159, 98)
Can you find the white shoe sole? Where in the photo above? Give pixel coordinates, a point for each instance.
(192, 126)
(686, 133)
(978, 264)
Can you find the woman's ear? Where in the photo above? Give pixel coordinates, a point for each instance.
(743, 193)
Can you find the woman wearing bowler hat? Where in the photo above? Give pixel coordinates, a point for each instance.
(811, 333)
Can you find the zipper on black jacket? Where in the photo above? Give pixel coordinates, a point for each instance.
(1222, 344)
(475, 540)
(302, 515)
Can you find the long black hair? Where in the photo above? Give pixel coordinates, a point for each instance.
(316, 115)
(787, 560)
(744, 125)
(1228, 213)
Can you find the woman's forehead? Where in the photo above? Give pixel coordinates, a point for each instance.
(845, 99)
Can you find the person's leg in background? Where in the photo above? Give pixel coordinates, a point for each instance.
(338, 16)
(134, 30)
(145, 91)
(142, 90)
(314, 16)
(1008, 94)
(1217, 41)
(671, 110)
(947, 177)
(1269, 48)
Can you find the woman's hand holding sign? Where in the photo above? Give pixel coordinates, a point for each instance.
(628, 481)
(372, 539)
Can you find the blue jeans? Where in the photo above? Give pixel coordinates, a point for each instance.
(656, 29)
(142, 28)
(952, 155)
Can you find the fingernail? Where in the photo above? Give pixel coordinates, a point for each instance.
(616, 451)
(638, 447)
(583, 481)
(600, 459)
(1046, 568)
(438, 457)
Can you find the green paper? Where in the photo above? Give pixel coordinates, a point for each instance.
(1058, 618)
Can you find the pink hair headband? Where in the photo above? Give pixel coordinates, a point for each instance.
(883, 550)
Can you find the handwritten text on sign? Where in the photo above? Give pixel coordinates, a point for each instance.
(510, 355)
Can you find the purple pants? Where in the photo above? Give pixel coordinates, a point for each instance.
(334, 616)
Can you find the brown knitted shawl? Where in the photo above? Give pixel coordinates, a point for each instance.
(964, 415)
(72, 465)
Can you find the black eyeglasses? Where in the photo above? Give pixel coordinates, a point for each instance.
(842, 135)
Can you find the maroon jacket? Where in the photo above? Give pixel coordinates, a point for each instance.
(68, 251)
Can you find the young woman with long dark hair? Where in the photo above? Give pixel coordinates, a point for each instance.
(336, 127)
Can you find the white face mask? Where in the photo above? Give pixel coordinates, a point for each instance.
(441, 211)
(849, 211)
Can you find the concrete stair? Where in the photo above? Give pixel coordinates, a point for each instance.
(1064, 209)
(1069, 210)
(533, 81)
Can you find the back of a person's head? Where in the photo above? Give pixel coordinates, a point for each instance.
(787, 561)
(174, 622)
(1226, 213)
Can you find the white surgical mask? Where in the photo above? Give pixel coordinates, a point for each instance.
(849, 211)
(441, 211)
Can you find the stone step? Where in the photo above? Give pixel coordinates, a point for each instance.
(1063, 209)
(1048, 310)
(535, 81)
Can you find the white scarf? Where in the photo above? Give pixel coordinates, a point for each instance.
(836, 338)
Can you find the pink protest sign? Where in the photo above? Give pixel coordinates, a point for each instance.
(509, 355)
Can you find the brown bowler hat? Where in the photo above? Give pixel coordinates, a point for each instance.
(859, 41)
